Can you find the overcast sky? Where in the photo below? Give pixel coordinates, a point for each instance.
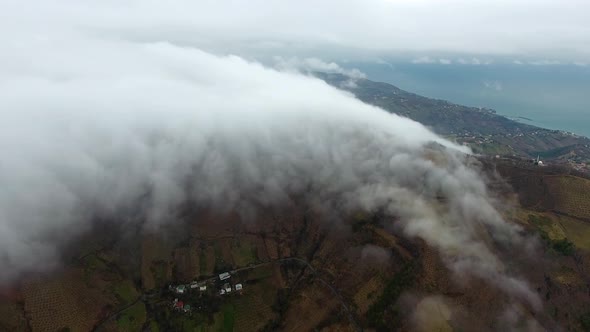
(544, 31)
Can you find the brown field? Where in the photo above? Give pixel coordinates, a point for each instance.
(252, 311)
(210, 260)
(12, 317)
(368, 294)
(272, 248)
(186, 262)
(64, 301)
(261, 251)
(315, 303)
(226, 250)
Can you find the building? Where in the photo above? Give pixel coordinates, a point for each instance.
(224, 276)
(238, 287)
(180, 289)
(186, 308)
(178, 305)
(227, 288)
(203, 288)
(194, 284)
(222, 291)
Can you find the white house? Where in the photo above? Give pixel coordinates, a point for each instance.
(180, 289)
(227, 288)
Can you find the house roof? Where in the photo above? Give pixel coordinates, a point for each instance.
(179, 304)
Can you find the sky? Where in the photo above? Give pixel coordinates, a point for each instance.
(529, 31)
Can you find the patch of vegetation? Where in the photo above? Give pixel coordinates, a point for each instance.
(577, 231)
(585, 321)
(540, 221)
(125, 292)
(154, 327)
(562, 246)
(257, 274)
(228, 318)
(244, 253)
(384, 315)
(133, 318)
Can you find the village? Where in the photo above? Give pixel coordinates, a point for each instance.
(217, 286)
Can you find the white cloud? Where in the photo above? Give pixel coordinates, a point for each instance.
(423, 59)
(445, 61)
(315, 64)
(493, 85)
(474, 61)
(544, 62)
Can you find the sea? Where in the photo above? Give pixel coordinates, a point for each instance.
(548, 96)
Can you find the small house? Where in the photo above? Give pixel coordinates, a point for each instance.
(178, 305)
(238, 287)
(203, 288)
(180, 289)
(194, 284)
(224, 276)
(227, 288)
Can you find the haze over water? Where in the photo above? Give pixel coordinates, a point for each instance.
(549, 96)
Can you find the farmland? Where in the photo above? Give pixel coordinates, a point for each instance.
(572, 195)
(63, 302)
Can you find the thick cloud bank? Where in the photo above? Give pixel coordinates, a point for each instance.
(95, 126)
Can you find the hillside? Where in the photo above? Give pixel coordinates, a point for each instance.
(362, 275)
(481, 128)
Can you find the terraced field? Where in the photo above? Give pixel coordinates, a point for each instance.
(571, 195)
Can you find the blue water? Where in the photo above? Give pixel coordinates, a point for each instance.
(556, 97)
